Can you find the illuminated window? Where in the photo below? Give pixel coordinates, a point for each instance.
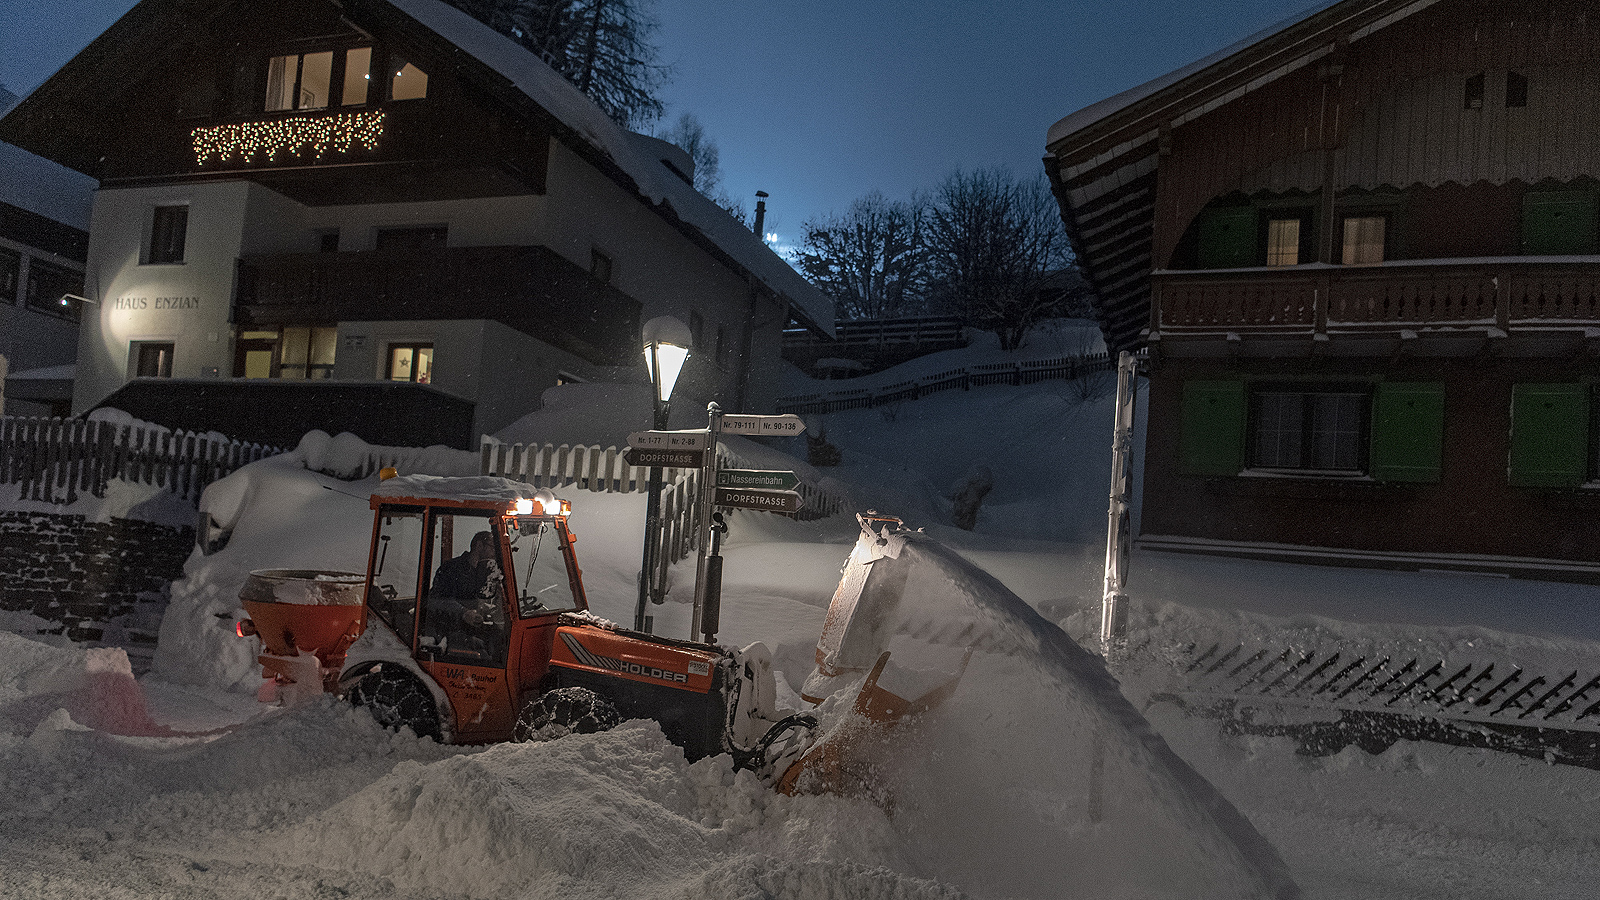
(306, 352)
(152, 359)
(1283, 242)
(407, 81)
(169, 227)
(411, 362)
(357, 75)
(1364, 239)
(308, 80)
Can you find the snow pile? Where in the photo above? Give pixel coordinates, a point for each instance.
(603, 414)
(347, 456)
(47, 689)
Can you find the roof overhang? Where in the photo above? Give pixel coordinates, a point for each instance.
(1103, 160)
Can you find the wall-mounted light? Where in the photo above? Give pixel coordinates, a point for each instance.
(66, 297)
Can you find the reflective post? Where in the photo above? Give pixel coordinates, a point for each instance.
(1113, 614)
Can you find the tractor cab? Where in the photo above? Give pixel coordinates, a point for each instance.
(470, 578)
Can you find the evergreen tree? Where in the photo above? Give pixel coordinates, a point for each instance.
(604, 47)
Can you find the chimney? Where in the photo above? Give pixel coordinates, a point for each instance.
(761, 214)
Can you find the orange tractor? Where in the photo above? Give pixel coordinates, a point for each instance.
(471, 626)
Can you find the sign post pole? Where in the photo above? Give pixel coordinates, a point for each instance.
(708, 486)
(1113, 614)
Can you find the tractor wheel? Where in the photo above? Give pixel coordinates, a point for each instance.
(397, 699)
(564, 711)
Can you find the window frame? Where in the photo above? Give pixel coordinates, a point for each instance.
(416, 347)
(169, 235)
(338, 77)
(1346, 216)
(1307, 430)
(136, 353)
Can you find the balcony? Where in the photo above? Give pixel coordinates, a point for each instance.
(1528, 306)
(531, 289)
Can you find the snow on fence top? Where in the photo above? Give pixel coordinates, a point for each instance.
(55, 459)
(1030, 371)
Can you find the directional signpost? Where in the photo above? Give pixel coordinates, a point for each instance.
(670, 459)
(771, 501)
(669, 440)
(763, 426)
(763, 479)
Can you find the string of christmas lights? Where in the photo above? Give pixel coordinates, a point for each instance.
(296, 135)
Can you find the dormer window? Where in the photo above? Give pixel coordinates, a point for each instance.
(406, 81)
(318, 80)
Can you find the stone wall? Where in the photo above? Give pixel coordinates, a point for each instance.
(96, 582)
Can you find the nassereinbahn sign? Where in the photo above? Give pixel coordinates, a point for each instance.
(768, 479)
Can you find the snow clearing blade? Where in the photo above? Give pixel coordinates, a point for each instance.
(862, 618)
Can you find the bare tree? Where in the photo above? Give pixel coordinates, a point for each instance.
(872, 260)
(690, 137)
(995, 240)
(602, 46)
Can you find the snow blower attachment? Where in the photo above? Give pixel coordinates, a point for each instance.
(471, 625)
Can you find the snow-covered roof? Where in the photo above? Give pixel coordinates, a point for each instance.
(1095, 112)
(40, 186)
(49, 373)
(633, 153)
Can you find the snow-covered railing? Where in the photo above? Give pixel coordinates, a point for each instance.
(1504, 294)
(1030, 371)
(55, 459)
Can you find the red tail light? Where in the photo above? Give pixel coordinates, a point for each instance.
(245, 628)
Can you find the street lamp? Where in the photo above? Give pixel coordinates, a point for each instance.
(666, 347)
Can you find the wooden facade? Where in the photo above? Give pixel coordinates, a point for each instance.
(1363, 254)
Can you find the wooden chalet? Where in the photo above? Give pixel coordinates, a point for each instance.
(381, 191)
(1362, 252)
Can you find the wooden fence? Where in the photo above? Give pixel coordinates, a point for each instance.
(965, 378)
(56, 459)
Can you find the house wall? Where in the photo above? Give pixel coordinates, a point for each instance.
(1472, 508)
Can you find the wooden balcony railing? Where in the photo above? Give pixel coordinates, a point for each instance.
(532, 289)
(1504, 294)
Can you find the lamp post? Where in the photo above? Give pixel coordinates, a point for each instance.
(666, 347)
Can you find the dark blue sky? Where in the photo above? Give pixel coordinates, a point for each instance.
(820, 102)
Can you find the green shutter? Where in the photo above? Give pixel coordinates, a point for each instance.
(1228, 238)
(1408, 431)
(1559, 223)
(1212, 442)
(1549, 435)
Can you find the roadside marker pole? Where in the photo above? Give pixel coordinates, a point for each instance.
(1113, 612)
(708, 486)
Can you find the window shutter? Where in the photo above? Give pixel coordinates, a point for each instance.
(1212, 440)
(1549, 435)
(1228, 238)
(1559, 223)
(1408, 431)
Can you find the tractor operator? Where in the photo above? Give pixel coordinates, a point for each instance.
(466, 589)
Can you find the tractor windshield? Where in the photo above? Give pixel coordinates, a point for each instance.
(464, 610)
(544, 587)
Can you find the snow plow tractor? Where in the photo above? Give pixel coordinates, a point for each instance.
(471, 626)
